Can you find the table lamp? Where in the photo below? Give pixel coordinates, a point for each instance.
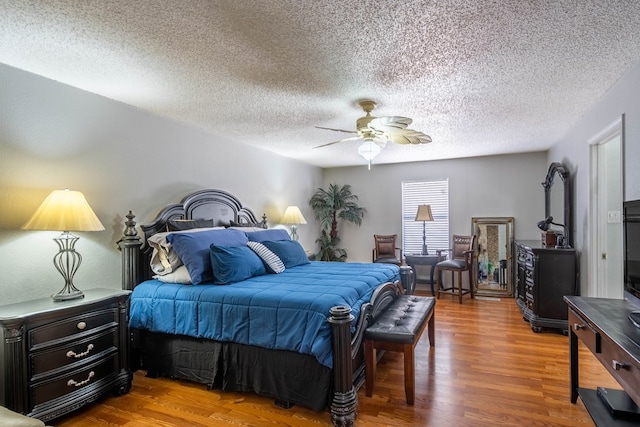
(293, 217)
(544, 226)
(66, 211)
(424, 214)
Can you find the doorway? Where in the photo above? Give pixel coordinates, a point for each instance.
(606, 196)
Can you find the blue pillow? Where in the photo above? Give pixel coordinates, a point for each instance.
(193, 249)
(289, 251)
(273, 234)
(232, 264)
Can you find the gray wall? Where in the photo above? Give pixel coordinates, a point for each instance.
(573, 150)
(507, 185)
(53, 136)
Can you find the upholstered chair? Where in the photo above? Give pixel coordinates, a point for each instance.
(386, 249)
(460, 261)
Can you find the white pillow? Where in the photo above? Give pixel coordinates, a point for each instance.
(180, 275)
(248, 229)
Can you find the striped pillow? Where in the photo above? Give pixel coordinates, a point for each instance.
(271, 260)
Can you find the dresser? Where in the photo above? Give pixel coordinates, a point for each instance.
(544, 276)
(59, 356)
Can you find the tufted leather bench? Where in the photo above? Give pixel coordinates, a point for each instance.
(399, 328)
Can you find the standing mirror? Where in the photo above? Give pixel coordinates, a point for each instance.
(493, 266)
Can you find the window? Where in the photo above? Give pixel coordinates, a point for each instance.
(435, 194)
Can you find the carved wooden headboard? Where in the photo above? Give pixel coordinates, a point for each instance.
(221, 207)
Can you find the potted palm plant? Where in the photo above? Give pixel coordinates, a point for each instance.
(329, 206)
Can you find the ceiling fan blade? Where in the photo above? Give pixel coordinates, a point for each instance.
(409, 136)
(340, 140)
(337, 130)
(390, 123)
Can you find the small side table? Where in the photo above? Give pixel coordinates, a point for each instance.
(432, 260)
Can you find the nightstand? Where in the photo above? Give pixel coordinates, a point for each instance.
(59, 356)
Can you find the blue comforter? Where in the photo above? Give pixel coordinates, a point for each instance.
(286, 311)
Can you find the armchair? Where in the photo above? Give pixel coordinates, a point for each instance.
(385, 249)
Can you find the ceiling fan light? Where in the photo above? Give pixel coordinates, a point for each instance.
(369, 150)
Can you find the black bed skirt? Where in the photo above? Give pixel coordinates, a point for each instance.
(288, 377)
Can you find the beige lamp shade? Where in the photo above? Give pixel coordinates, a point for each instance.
(292, 215)
(64, 210)
(424, 213)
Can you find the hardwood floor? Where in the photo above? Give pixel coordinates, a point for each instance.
(487, 369)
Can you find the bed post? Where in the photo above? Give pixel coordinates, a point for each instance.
(130, 247)
(345, 399)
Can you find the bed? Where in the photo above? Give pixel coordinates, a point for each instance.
(271, 326)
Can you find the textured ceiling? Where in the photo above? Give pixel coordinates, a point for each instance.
(479, 77)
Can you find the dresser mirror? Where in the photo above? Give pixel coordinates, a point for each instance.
(493, 264)
(557, 200)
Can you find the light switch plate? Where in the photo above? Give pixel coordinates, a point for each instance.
(613, 217)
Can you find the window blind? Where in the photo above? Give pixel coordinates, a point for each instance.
(435, 194)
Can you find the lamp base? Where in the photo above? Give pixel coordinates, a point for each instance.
(424, 250)
(67, 261)
(67, 294)
(294, 232)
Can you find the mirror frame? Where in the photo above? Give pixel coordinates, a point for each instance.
(508, 221)
(563, 173)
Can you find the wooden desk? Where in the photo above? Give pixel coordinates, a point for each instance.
(602, 325)
(432, 260)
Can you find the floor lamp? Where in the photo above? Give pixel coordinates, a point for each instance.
(424, 214)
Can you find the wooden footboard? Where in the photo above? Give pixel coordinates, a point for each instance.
(348, 359)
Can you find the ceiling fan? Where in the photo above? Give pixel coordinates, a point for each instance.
(376, 131)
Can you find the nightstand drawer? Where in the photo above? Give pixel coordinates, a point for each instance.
(65, 356)
(72, 327)
(77, 380)
(589, 336)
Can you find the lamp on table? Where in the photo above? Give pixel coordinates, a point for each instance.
(544, 226)
(424, 214)
(293, 217)
(66, 211)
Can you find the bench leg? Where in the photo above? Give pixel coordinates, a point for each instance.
(369, 366)
(409, 374)
(431, 330)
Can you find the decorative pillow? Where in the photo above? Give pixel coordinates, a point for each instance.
(193, 249)
(271, 235)
(188, 224)
(164, 259)
(179, 275)
(289, 251)
(232, 264)
(270, 260)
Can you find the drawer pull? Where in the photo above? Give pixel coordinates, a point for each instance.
(71, 353)
(81, 383)
(578, 326)
(81, 325)
(619, 365)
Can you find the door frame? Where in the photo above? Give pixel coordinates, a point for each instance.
(597, 288)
